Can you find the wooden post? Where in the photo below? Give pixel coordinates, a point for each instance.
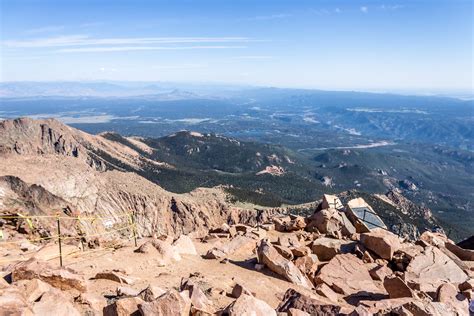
(134, 223)
(59, 243)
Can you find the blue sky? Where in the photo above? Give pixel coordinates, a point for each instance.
(357, 45)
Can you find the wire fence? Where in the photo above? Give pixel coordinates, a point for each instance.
(59, 237)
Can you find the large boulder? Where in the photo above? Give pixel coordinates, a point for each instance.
(346, 274)
(380, 272)
(123, 306)
(324, 290)
(284, 251)
(166, 250)
(62, 278)
(330, 222)
(382, 242)
(269, 256)
(237, 244)
(296, 223)
(300, 251)
(199, 301)
(397, 288)
(239, 290)
(91, 303)
(308, 264)
(289, 240)
(447, 293)
(170, 303)
(298, 301)
(13, 302)
(326, 248)
(330, 201)
(185, 245)
(33, 289)
(114, 276)
(247, 305)
(431, 268)
(162, 250)
(281, 222)
(54, 302)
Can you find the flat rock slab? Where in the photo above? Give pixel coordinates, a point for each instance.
(432, 268)
(346, 274)
(326, 248)
(62, 278)
(115, 276)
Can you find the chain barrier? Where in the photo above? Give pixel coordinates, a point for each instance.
(131, 226)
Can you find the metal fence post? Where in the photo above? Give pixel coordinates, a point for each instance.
(59, 243)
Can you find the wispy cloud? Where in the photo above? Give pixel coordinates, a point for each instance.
(181, 66)
(270, 17)
(257, 57)
(364, 9)
(107, 69)
(104, 49)
(326, 11)
(392, 7)
(84, 40)
(45, 29)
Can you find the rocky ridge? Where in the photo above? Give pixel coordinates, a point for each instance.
(62, 163)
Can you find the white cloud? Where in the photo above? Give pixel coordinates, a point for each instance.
(84, 40)
(337, 10)
(364, 9)
(104, 49)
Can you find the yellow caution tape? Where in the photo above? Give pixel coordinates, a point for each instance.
(64, 217)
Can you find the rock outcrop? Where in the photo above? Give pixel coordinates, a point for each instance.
(269, 256)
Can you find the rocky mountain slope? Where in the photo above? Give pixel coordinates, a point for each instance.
(108, 175)
(82, 174)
